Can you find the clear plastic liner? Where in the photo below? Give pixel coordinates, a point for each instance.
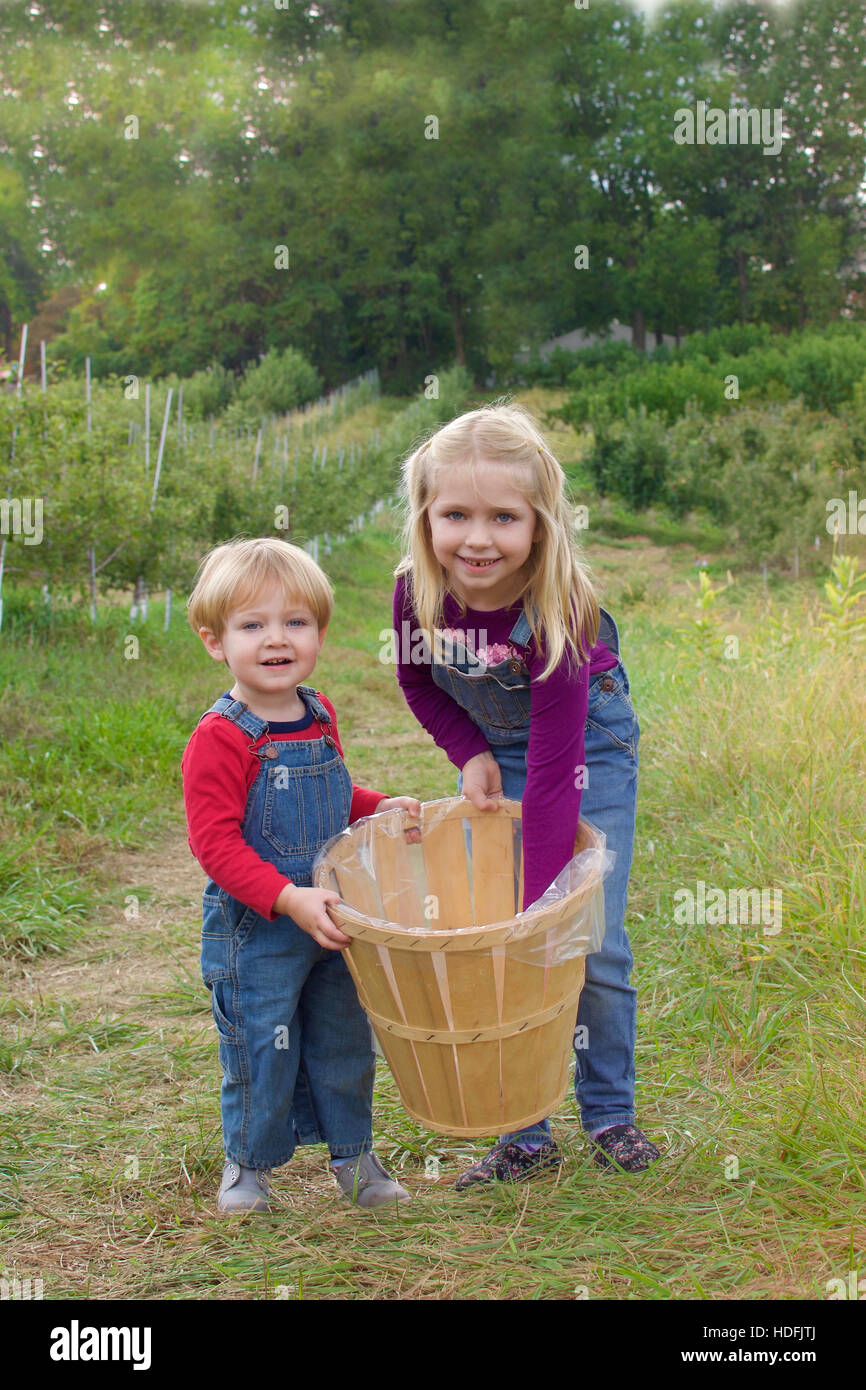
(583, 933)
(447, 873)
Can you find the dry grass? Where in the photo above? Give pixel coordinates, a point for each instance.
(749, 1047)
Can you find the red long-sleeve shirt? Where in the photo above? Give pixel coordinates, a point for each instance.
(218, 772)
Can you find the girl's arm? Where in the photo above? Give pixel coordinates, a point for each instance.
(555, 774)
(449, 725)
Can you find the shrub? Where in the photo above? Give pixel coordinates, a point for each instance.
(280, 382)
(208, 392)
(629, 457)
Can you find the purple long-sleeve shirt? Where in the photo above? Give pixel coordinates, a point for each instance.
(551, 797)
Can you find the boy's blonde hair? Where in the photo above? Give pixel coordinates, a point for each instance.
(558, 596)
(231, 575)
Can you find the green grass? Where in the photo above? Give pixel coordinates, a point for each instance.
(750, 1058)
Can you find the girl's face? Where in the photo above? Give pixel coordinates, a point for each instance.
(482, 529)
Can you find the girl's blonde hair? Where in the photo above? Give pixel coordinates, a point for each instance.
(231, 575)
(558, 596)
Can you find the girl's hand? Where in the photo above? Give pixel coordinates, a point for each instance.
(412, 834)
(306, 907)
(482, 781)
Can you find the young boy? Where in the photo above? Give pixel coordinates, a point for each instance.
(265, 786)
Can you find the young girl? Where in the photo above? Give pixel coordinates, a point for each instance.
(524, 690)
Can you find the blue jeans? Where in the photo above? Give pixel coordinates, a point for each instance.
(294, 1043)
(604, 1070)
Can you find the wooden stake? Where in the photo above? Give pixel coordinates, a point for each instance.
(147, 430)
(165, 420)
(21, 356)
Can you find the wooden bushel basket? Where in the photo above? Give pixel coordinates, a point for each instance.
(473, 1005)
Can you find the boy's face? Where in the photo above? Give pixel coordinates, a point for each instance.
(270, 647)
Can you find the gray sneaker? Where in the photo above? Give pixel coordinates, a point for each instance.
(243, 1189)
(365, 1182)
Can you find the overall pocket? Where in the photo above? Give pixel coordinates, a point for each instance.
(487, 699)
(305, 806)
(225, 924)
(611, 711)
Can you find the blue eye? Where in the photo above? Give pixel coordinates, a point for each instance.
(508, 516)
(302, 621)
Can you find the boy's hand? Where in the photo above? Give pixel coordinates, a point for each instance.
(412, 835)
(306, 906)
(482, 782)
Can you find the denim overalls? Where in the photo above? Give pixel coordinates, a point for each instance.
(498, 701)
(294, 1043)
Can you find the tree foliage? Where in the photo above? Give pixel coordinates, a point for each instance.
(430, 170)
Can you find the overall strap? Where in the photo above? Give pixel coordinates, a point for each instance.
(238, 713)
(310, 698)
(521, 631)
(607, 631)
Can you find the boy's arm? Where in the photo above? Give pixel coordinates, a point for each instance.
(216, 779)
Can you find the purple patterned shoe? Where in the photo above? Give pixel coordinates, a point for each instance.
(508, 1162)
(624, 1147)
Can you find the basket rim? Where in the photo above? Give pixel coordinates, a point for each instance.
(518, 928)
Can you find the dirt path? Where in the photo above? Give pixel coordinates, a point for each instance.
(115, 955)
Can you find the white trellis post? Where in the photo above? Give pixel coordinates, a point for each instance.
(43, 378)
(147, 429)
(92, 585)
(165, 420)
(21, 356)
